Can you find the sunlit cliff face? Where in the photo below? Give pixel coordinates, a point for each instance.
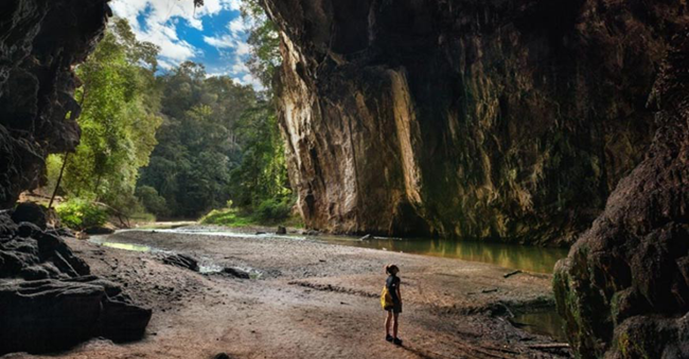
(509, 119)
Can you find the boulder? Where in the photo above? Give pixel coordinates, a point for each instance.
(52, 314)
(281, 230)
(94, 231)
(236, 273)
(182, 261)
(27, 229)
(42, 256)
(48, 299)
(30, 212)
(7, 225)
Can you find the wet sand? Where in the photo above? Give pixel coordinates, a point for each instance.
(311, 300)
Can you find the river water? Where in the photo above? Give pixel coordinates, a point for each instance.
(518, 257)
(513, 256)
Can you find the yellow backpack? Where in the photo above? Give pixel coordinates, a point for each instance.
(385, 298)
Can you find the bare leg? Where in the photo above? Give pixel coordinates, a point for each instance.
(395, 325)
(388, 319)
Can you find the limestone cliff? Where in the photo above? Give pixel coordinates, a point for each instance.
(40, 42)
(509, 119)
(624, 289)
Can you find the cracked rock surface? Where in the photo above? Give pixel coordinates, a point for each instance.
(49, 301)
(506, 119)
(624, 289)
(40, 42)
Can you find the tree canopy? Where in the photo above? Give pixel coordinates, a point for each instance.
(118, 121)
(176, 143)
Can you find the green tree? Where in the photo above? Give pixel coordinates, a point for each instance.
(220, 141)
(262, 173)
(118, 119)
(265, 43)
(198, 142)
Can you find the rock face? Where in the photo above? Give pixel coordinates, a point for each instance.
(624, 289)
(182, 261)
(40, 41)
(48, 299)
(510, 119)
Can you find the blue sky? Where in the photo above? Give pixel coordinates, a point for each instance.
(214, 35)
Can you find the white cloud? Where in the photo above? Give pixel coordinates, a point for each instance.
(221, 42)
(239, 67)
(243, 48)
(249, 79)
(238, 25)
(161, 20)
(159, 23)
(217, 74)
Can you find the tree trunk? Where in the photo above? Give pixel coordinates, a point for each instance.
(59, 180)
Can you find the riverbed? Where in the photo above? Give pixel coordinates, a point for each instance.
(308, 297)
(544, 320)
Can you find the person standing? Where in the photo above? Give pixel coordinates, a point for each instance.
(392, 303)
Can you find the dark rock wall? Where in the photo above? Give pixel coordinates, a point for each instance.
(624, 289)
(49, 301)
(40, 42)
(495, 118)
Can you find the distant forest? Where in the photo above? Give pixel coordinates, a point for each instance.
(175, 144)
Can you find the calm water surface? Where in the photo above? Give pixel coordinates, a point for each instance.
(545, 322)
(526, 258)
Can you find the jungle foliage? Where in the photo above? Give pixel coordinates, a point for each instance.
(118, 122)
(176, 143)
(219, 142)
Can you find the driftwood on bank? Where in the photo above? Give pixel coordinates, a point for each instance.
(550, 346)
(512, 273)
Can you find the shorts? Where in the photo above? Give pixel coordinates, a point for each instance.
(395, 308)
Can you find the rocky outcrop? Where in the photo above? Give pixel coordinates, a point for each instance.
(181, 261)
(40, 42)
(624, 289)
(512, 119)
(48, 299)
(30, 212)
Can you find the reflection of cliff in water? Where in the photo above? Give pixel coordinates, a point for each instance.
(527, 258)
(544, 322)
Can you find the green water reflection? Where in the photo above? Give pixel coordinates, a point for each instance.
(546, 322)
(526, 258)
(127, 246)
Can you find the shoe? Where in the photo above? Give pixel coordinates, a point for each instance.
(389, 338)
(397, 341)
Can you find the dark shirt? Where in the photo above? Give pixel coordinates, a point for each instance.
(393, 284)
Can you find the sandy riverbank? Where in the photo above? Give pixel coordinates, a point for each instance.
(310, 300)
